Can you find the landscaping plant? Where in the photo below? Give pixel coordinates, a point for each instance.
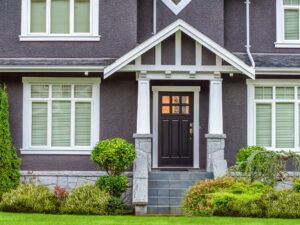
(9, 162)
(86, 200)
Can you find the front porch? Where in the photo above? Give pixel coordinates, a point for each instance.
(170, 70)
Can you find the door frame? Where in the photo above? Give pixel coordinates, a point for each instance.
(156, 90)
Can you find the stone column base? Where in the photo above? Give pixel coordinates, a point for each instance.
(216, 162)
(141, 168)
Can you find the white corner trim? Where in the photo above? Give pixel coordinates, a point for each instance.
(196, 90)
(176, 9)
(295, 44)
(59, 38)
(193, 33)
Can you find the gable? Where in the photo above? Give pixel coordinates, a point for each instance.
(180, 47)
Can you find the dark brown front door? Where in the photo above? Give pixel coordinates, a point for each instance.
(175, 129)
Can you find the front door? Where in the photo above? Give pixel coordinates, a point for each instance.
(175, 138)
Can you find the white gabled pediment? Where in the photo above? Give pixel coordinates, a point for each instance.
(200, 38)
(176, 6)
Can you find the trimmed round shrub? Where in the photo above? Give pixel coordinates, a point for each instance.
(29, 198)
(86, 200)
(114, 185)
(113, 155)
(116, 206)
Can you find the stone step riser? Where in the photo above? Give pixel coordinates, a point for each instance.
(179, 176)
(164, 201)
(164, 210)
(171, 184)
(166, 192)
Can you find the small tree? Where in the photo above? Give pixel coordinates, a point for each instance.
(9, 162)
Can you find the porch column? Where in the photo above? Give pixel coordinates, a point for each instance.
(216, 162)
(143, 143)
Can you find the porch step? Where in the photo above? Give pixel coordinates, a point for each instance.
(167, 188)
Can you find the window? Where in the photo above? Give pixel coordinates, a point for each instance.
(60, 20)
(288, 31)
(60, 115)
(273, 114)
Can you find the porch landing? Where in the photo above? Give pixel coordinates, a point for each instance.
(166, 189)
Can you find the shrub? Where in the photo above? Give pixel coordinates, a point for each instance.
(29, 198)
(115, 206)
(60, 193)
(244, 154)
(86, 200)
(113, 155)
(197, 199)
(114, 185)
(9, 162)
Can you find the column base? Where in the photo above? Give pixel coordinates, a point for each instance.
(141, 210)
(216, 162)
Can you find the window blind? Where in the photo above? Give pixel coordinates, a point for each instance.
(60, 16)
(284, 125)
(82, 123)
(39, 124)
(291, 24)
(285, 93)
(264, 125)
(82, 16)
(263, 93)
(38, 16)
(291, 2)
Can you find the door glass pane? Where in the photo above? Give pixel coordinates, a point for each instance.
(60, 16)
(165, 99)
(61, 123)
(166, 110)
(83, 91)
(185, 99)
(38, 16)
(39, 91)
(284, 125)
(39, 124)
(291, 24)
(61, 91)
(175, 109)
(285, 93)
(263, 93)
(175, 99)
(83, 124)
(185, 110)
(264, 125)
(82, 16)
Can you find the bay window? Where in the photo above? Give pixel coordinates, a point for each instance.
(60, 115)
(55, 20)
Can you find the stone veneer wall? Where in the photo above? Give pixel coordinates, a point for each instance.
(70, 180)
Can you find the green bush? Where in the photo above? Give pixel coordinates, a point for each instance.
(29, 198)
(113, 155)
(114, 185)
(9, 162)
(86, 200)
(296, 188)
(115, 206)
(244, 155)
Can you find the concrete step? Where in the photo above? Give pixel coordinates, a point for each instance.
(164, 210)
(164, 201)
(171, 183)
(179, 175)
(166, 192)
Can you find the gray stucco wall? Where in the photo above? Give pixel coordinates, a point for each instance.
(117, 27)
(117, 113)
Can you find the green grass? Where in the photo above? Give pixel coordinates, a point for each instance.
(40, 219)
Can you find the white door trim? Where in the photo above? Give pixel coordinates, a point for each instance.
(196, 90)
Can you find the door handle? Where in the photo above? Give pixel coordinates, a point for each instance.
(191, 130)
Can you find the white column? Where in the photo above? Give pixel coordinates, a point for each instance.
(215, 125)
(143, 111)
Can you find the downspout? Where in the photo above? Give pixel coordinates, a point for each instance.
(154, 16)
(248, 33)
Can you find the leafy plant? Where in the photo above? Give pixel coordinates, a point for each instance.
(86, 200)
(115, 206)
(114, 185)
(113, 155)
(258, 164)
(9, 162)
(29, 198)
(60, 193)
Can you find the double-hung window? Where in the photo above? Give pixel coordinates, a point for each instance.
(60, 20)
(273, 114)
(60, 115)
(288, 25)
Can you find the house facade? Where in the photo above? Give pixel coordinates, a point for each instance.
(189, 82)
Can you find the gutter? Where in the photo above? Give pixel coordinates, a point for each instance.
(247, 2)
(154, 16)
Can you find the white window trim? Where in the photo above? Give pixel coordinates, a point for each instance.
(280, 42)
(196, 91)
(95, 117)
(176, 9)
(92, 36)
(251, 111)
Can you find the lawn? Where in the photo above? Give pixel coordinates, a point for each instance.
(40, 219)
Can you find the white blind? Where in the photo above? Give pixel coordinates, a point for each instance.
(38, 16)
(285, 93)
(284, 125)
(82, 16)
(39, 124)
(291, 2)
(60, 16)
(82, 123)
(264, 125)
(291, 24)
(263, 93)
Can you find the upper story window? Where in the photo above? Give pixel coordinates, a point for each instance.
(288, 25)
(60, 20)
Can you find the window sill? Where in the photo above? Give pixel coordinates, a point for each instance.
(287, 44)
(55, 152)
(59, 38)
